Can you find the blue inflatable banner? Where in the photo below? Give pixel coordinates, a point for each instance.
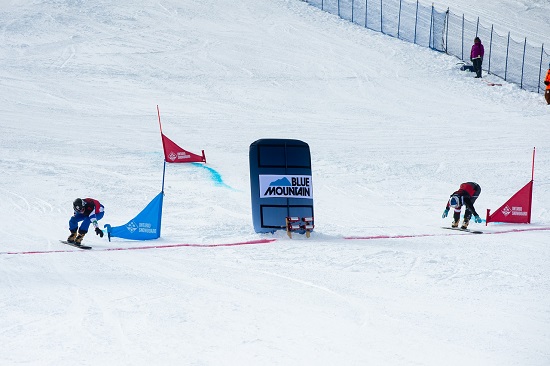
(145, 226)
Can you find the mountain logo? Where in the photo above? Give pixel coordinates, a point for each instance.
(286, 186)
(283, 182)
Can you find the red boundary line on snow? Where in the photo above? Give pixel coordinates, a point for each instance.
(267, 241)
(162, 246)
(458, 233)
(396, 236)
(518, 230)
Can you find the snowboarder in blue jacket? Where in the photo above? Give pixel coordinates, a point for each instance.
(89, 211)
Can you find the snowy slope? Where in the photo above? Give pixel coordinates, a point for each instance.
(522, 18)
(393, 130)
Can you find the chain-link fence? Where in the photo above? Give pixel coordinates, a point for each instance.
(514, 61)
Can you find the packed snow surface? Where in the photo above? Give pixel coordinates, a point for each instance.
(393, 130)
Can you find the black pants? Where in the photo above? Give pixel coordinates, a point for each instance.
(477, 192)
(477, 66)
(473, 198)
(547, 96)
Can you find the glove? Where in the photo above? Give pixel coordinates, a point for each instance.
(477, 219)
(100, 233)
(445, 213)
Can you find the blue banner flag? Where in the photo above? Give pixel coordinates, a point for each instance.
(145, 226)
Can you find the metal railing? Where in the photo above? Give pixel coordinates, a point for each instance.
(517, 62)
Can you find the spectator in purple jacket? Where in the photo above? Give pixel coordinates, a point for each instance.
(476, 56)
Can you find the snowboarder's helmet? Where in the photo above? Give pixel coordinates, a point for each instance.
(78, 205)
(454, 201)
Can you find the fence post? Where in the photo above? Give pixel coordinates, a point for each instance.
(381, 21)
(339, 9)
(490, 48)
(477, 26)
(430, 40)
(352, 6)
(399, 19)
(447, 33)
(507, 52)
(523, 62)
(322, 4)
(540, 66)
(366, 12)
(415, 21)
(462, 45)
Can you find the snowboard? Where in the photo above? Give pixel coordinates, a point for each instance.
(465, 230)
(490, 83)
(75, 245)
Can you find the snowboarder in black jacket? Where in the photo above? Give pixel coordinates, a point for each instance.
(466, 195)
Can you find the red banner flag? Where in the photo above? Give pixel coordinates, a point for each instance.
(517, 209)
(175, 154)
